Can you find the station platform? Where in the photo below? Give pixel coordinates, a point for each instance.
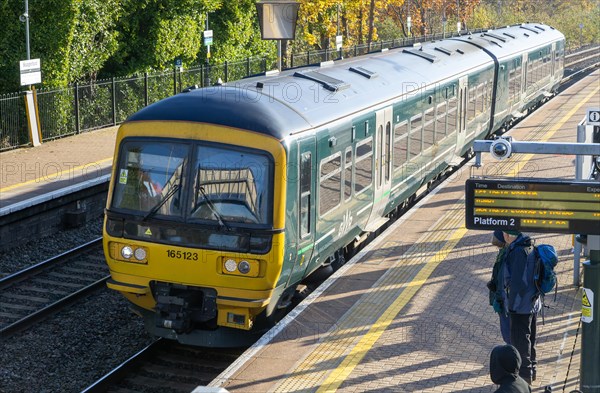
(410, 313)
(32, 175)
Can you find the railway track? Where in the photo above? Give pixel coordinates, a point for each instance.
(166, 366)
(32, 294)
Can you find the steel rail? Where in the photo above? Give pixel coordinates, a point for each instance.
(31, 271)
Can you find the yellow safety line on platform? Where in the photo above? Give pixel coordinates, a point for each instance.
(55, 175)
(339, 375)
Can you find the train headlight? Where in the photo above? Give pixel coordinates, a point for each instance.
(230, 265)
(140, 254)
(126, 252)
(244, 267)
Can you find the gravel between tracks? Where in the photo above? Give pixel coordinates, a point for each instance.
(38, 250)
(72, 349)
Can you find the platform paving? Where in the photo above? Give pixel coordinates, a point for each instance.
(33, 171)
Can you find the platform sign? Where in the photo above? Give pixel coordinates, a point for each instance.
(31, 72)
(208, 37)
(533, 205)
(593, 117)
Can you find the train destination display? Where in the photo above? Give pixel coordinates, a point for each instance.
(533, 205)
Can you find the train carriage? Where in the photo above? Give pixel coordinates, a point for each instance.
(223, 199)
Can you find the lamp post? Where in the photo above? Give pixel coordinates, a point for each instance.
(277, 19)
(25, 18)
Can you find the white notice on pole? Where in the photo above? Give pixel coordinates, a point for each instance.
(31, 72)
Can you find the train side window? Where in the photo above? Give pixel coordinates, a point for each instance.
(363, 167)
(330, 183)
(388, 151)
(517, 82)
(428, 128)
(440, 127)
(452, 115)
(381, 155)
(305, 194)
(348, 174)
(471, 104)
(416, 136)
(400, 144)
(483, 97)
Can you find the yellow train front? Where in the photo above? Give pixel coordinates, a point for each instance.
(194, 228)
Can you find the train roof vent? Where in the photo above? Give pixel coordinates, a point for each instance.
(328, 82)
(495, 36)
(364, 72)
(510, 35)
(462, 52)
(444, 50)
(429, 57)
(530, 29)
(539, 28)
(491, 41)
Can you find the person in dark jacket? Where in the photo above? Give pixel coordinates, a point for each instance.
(505, 363)
(495, 284)
(521, 300)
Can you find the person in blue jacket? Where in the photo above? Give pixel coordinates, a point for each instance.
(521, 300)
(505, 362)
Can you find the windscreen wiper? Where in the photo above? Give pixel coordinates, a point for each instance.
(213, 209)
(160, 203)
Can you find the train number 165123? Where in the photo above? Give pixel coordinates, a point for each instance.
(186, 255)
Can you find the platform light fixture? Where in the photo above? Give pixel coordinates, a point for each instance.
(277, 20)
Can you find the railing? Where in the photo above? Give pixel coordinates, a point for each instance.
(13, 127)
(84, 107)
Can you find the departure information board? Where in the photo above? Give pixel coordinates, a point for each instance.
(533, 205)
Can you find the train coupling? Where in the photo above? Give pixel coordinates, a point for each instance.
(182, 308)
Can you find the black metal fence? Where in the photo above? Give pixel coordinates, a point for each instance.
(83, 107)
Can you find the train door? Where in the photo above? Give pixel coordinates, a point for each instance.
(306, 207)
(461, 119)
(382, 167)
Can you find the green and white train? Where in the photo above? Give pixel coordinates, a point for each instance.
(224, 198)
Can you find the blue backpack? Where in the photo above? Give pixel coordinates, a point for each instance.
(543, 271)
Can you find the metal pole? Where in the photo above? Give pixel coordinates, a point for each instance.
(279, 55)
(590, 318)
(26, 15)
(207, 73)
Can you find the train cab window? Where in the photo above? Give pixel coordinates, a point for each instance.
(428, 128)
(400, 144)
(150, 178)
(440, 127)
(305, 194)
(363, 166)
(231, 185)
(416, 136)
(348, 175)
(330, 183)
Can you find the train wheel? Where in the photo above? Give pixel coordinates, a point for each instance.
(340, 260)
